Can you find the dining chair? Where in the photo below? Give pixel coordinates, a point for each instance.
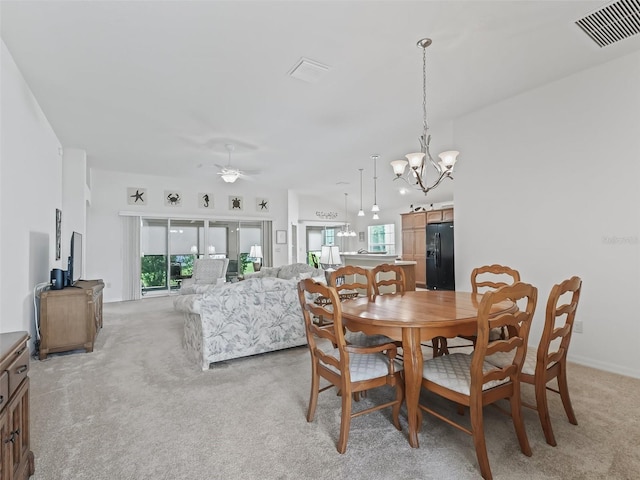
(350, 368)
(550, 360)
(351, 281)
(388, 276)
(471, 381)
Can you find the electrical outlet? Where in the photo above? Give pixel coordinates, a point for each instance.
(577, 326)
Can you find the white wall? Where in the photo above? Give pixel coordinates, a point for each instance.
(31, 190)
(104, 253)
(550, 186)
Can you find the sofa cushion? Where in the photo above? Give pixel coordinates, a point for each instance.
(295, 269)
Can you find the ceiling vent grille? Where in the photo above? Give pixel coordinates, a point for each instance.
(613, 22)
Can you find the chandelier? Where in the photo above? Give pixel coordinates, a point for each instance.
(416, 176)
(346, 230)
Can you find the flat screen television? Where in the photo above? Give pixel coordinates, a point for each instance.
(75, 259)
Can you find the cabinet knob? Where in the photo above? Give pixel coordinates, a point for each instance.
(22, 369)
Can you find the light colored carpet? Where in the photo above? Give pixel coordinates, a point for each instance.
(136, 409)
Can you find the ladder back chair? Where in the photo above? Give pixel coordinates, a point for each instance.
(380, 277)
(550, 360)
(471, 381)
(351, 369)
(483, 279)
(351, 281)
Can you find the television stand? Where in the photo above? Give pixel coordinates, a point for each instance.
(71, 318)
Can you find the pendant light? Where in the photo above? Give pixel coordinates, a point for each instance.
(375, 208)
(361, 211)
(346, 231)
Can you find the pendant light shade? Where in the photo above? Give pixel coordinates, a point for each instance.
(361, 211)
(375, 208)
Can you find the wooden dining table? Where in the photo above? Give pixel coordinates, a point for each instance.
(413, 318)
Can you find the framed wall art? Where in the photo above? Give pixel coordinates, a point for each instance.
(58, 233)
(262, 204)
(281, 236)
(205, 200)
(235, 203)
(172, 198)
(136, 196)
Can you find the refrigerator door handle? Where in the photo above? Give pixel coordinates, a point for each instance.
(438, 249)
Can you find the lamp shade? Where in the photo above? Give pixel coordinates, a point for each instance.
(212, 249)
(449, 158)
(399, 166)
(194, 249)
(256, 251)
(415, 159)
(330, 255)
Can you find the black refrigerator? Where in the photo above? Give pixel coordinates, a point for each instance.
(440, 266)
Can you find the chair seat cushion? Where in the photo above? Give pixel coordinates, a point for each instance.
(364, 366)
(502, 359)
(454, 372)
(363, 340)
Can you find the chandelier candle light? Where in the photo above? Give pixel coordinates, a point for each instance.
(417, 161)
(346, 232)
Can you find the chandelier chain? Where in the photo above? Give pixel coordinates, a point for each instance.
(424, 90)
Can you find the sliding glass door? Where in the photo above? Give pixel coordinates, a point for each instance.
(169, 247)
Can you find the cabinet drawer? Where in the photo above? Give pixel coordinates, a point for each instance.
(19, 369)
(4, 389)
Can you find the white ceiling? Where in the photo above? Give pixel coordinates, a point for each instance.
(160, 87)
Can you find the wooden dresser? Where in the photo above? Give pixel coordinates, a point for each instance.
(70, 318)
(16, 457)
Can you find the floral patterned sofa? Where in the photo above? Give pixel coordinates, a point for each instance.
(259, 314)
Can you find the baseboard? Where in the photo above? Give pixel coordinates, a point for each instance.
(606, 366)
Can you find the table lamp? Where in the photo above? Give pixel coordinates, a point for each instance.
(256, 252)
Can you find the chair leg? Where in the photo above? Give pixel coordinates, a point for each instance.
(396, 407)
(542, 406)
(518, 420)
(563, 388)
(345, 423)
(315, 390)
(477, 429)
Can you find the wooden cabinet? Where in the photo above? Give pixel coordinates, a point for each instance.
(70, 318)
(439, 216)
(16, 457)
(414, 244)
(414, 238)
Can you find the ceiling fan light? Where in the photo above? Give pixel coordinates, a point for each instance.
(230, 177)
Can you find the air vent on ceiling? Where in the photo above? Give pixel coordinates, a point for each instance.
(613, 22)
(308, 70)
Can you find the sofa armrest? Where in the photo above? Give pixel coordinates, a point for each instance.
(189, 303)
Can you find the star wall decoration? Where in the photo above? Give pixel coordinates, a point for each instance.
(136, 196)
(262, 205)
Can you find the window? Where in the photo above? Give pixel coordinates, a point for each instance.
(382, 238)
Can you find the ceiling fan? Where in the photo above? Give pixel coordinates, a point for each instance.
(229, 173)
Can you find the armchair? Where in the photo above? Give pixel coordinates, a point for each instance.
(206, 272)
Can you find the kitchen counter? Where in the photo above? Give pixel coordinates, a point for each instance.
(370, 260)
